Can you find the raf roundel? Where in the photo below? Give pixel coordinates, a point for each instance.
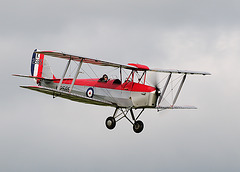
(90, 92)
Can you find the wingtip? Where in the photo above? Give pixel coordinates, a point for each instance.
(207, 73)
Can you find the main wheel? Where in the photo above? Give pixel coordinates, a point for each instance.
(138, 126)
(110, 123)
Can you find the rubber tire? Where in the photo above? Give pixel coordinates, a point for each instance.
(138, 126)
(110, 123)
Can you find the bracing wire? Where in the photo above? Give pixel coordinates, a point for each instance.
(87, 73)
(71, 71)
(173, 87)
(162, 81)
(112, 70)
(125, 73)
(92, 70)
(98, 77)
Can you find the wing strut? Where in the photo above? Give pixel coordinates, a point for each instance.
(121, 74)
(164, 89)
(179, 89)
(76, 75)
(175, 98)
(64, 73)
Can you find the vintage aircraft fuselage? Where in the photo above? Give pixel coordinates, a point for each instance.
(127, 94)
(124, 96)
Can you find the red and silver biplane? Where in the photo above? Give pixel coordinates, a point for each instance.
(124, 95)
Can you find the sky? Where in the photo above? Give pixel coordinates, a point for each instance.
(39, 133)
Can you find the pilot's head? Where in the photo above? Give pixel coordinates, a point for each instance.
(105, 77)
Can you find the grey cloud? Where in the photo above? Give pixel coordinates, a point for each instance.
(51, 17)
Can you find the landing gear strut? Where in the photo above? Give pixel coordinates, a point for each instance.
(112, 120)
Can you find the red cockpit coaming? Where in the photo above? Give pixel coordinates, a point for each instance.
(127, 86)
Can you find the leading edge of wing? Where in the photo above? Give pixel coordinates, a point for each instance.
(70, 96)
(180, 71)
(85, 59)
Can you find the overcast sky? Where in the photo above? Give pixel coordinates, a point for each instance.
(38, 133)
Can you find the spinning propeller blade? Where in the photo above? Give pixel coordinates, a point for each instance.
(154, 81)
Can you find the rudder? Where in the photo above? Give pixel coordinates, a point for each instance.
(40, 66)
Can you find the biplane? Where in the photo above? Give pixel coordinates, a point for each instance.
(125, 95)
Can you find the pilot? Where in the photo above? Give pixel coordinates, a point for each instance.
(105, 78)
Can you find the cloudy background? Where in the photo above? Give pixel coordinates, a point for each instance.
(38, 133)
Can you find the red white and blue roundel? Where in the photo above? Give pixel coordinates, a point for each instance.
(90, 92)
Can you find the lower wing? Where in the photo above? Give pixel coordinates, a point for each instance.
(175, 107)
(67, 95)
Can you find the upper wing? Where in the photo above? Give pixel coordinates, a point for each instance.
(106, 63)
(180, 71)
(70, 96)
(85, 59)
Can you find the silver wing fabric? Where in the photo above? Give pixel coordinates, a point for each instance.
(67, 95)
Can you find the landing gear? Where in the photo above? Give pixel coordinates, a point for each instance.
(110, 123)
(137, 124)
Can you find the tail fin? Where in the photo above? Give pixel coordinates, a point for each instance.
(40, 66)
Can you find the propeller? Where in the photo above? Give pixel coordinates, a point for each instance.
(154, 81)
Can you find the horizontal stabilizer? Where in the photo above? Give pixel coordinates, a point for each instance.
(36, 77)
(176, 107)
(28, 76)
(67, 95)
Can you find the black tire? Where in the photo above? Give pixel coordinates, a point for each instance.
(110, 123)
(138, 126)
